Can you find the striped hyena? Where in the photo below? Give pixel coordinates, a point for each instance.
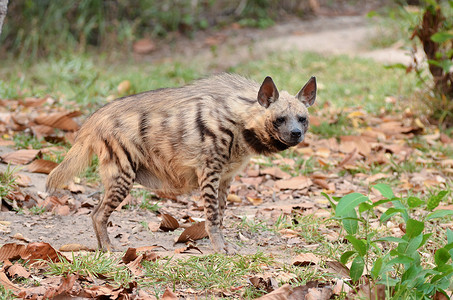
(175, 140)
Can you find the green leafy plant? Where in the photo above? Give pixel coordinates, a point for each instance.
(395, 261)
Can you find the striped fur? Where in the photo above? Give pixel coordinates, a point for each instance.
(176, 140)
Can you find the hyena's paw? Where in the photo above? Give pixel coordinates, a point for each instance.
(108, 247)
(221, 246)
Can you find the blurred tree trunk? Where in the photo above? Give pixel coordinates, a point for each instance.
(3, 8)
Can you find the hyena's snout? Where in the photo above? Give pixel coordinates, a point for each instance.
(293, 134)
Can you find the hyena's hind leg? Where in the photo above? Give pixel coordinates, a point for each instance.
(117, 176)
(214, 194)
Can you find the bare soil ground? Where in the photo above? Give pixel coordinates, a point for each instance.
(327, 35)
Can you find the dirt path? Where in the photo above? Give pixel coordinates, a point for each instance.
(339, 35)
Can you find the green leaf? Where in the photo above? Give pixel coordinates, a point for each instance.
(377, 203)
(440, 213)
(359, 245)
(426, 236)
(334, 206)
(396, 66)
(445, 64)
(400, 259)
(350, 222)
(414, 228)
(441, 36)
(365, 207)
(441, 256)
(357, 267)
(385, 189)
(412, 245)
(391, 212)
(391, 239)
(348, 203)
(345, 256)
(434, 200)
(449, 236)
(398, 204)
(377, 266)
(411, 273)
(414, 202)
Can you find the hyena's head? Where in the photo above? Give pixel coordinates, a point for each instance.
(286, 116)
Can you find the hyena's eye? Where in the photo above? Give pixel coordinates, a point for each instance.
(279, 120)
(302, 119)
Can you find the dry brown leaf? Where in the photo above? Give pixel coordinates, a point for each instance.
(142, 295)
(32, 102)
(153, 226)
(135, 266)
(275, 172)
(6, 283)
(377, 176)
(187, 249)
(349, 158)
(282, 293)
(169, 295)
(61, 210)
(148, 248)
(74, 248)
(20, 157)
(60, 120)
(130, 255)
(23, 180)
(42, 131)
(18, 270)
(12, 251)
(195, 232)
(76, 188)
(150, 256)
(363, 292)
(19, 236)
(323, 293)
(40, 250)
(265, 284)
(144, 46)
(338, 269)
(349, 142)
(288, 233)
(50, 288)
(124, 86)
(306, 259)
(255, 201)
(341, 287)
(295, 183)
(322, 183)
(234, 198)
(168, 223)
(41, 166)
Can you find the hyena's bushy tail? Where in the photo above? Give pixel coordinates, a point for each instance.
(75, 161)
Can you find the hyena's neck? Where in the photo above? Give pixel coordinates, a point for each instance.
(261, 142)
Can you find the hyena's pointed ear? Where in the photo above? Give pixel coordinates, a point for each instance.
(268, 92)
(308, 93)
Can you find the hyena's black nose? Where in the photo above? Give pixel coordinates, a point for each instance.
(296, 133)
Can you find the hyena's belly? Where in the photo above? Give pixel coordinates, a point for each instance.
(171, 182)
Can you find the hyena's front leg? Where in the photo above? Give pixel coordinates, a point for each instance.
(214, 202)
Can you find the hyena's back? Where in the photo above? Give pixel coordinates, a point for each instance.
(164, 135)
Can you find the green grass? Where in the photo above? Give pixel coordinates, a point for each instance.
(37, 210)
(7, 181)
(210, 273)
(92, 265)
(87, 81)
